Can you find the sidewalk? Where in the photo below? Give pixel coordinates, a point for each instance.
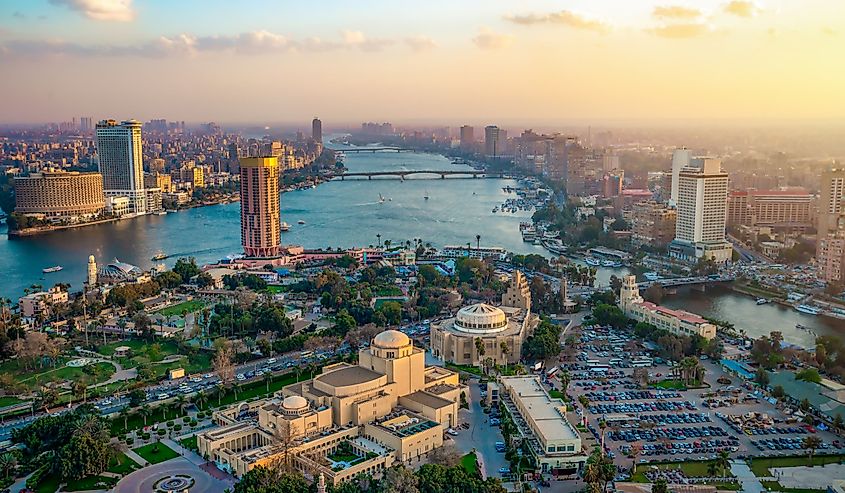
(748, 481)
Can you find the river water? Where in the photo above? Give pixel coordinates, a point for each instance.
(347, 214)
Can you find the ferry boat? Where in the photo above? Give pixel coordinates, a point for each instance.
(762, 301)
(808, 309)
(285, 226)
(161, 213)
(529, 235)
(651, 276)
(300, 222)
(159, 256)
(607, 263)
(55, 268)
(594, 262)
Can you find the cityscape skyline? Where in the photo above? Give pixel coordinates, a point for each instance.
(567, 61)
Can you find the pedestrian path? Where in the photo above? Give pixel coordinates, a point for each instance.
(749, 483)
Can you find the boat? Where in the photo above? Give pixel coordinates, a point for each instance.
(651, 276)
(802, 327)
(159, 256)
(300, 222)
(529, 235)
(808, 309)
(161, 213)
(617, 265)
(55, 268)
(380, 198)
(762, 301)
(594, 262)
(607, 263)
(172, 210)
(285, 226)
(426, 196)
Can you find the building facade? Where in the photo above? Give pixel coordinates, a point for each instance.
(500, 331)
(652, 224)
(63, 195)
(787, 208)
(830, 254)
(831, 191)
(261, 227)
(467, 138)
(316, 130)
(350, 419)
(678, 322)
(492, 144)
(681, 158)
(702, 212)
(120, 157)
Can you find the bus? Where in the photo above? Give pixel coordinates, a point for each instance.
(593, 362)
(599, 368)
(642, 362)
(614, 361)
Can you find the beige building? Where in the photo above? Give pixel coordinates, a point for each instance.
(505, 326)
(702, 212)
(786, 208)
(652, 224)
(350, 419)
(831, 192)
(678, 322)
(261, 227)
(540, 420)
(159, 180)
(60, 195)
(38, 305)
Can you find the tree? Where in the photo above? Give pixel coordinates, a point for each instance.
(761, 376)
(145, 412)
(599, 470)
(722, 462)
(263, 479)
(447, 455)
(479, 350)
(8, 464)
(392, 312)
(186, 268)
(641, 376)
(506, 349)
(204, 280)
(660, 486)
(778, 392)
(811, 443)
(400, 480)
(223, 366)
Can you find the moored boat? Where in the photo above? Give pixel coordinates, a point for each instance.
(55, 268)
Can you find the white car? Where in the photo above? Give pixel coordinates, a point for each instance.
(452, 432)
(241, 377)
(271, 361)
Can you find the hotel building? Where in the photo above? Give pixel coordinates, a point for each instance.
(261, 227)
(678, 322)
(702, 209)
(830, 200)
(120, 157)
(60, 195)
(350, 419)
(787, 208)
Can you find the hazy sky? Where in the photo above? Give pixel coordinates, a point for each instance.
(480, 61)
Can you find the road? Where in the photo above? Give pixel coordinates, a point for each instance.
(480, 436)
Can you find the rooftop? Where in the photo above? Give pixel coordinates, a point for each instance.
(427, 399)
(350, 375)
(543, 410)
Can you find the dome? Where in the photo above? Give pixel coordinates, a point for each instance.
(294, 402)
(481, 319)
(391, 339)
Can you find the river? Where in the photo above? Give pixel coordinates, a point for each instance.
(346, 214)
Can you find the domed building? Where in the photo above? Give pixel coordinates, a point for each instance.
(454, 339)
(387, 408)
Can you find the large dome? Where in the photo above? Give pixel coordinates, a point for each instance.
(294, 403)
(481, 319)
(391, 339)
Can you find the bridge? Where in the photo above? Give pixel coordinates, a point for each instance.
(402, 174)
(687, 281)
(374, 149)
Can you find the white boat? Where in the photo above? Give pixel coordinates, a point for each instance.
(161, 213)
(285, 226)
(651, 276)
(808, 309)
(762, 301)
(300, 222)
(594, 262)
(607, 263)
(55, 268)
(380, 199)
(159, 256)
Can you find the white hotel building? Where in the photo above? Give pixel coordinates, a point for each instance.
(678, 322)
(121, 162)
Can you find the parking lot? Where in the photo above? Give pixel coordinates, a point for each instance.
(655, 424)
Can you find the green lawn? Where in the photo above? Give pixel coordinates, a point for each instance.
(122, 464)
(274, 289)
(673, 384)
(49, 484)
(690, 468)
(185, 306)
(8, 400)
(90, 483)
(154, 457)
(35, 377)
(189, 443)
(470, 463)
(761, 466)
(467, 368)
(556, 394)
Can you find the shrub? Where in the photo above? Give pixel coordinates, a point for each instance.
(169, 424)
(161, 433)
(177, 427)
(194, 423)
(186, 419)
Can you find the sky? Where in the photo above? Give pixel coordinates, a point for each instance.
(438, 61)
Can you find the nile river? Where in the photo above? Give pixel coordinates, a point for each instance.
(347, 214)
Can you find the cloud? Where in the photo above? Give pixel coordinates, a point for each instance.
(19, 15)
(675, 12)
(357, 39)
(420, 43)
(564, 17)
(101, 10)
(741, 8)
(489, 40)
(677, 31)
(248, 43)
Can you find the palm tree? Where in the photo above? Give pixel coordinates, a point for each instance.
(478, 242)
(479, 349)
(124, 413)
(8, 463)
(722, 462)
(811, 443)
(181, 402)
(378, 236)
(145, 412)
(268, 378)
(235, 388)
(201, 399)
(565, 378)
(505, 350)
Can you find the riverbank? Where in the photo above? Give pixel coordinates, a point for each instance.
(49, 229)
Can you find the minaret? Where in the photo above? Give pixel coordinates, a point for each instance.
(92, 272)
(321, 484)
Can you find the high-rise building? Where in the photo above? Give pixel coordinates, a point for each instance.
(316, 130)
(467, 137)
(702, 209)
(120, 155)
(610, 162)
(491, 141)
(60, 194)
(86, 124)
(261, 232)
(831, 194)
(159, 180)
(787, 208)
(681, 159)
(612, 183)
(830, 254)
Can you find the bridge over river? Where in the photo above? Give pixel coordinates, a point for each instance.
(431, 174)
